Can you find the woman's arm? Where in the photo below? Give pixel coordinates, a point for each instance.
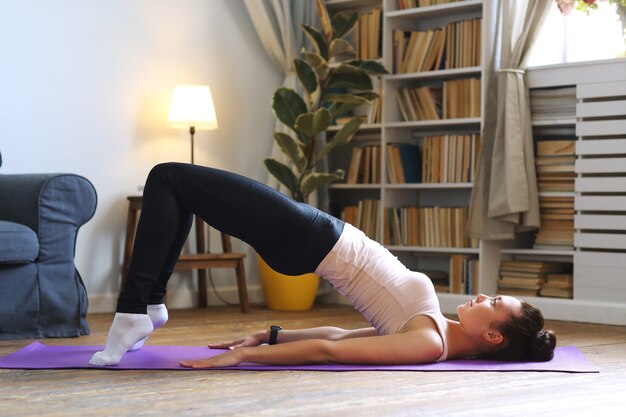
(286, 336)
(417, 346)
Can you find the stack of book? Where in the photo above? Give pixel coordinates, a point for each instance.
(463, 274)
(364, 215)
(555, 162)
(427, 226)
(365, 165)
(404, 164)
(456, 45)
(456, 99)
(526, 278)
(449, 158)
(558, 285)
(367, 34)
(553, 103)
(557, 223)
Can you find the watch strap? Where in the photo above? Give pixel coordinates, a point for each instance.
(274, 335)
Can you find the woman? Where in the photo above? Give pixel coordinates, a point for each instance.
(294, 238)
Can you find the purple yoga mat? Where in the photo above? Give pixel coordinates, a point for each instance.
(39, 356)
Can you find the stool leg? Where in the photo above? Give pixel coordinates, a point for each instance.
(202, 273)
(131, 226)
(242, 287)
(202, 298)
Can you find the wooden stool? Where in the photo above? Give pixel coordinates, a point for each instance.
(202, 260)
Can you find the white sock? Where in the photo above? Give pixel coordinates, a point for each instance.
(125, 331)
(158, 315)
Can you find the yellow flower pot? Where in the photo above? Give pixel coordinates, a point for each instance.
(287, 292)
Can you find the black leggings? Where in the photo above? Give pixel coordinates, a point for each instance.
(293, 238)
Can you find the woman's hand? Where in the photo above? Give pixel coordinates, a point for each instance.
(231, 358)
(252, 340)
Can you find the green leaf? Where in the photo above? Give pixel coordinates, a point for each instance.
(319, 64)
(306, 75)
(287, 106)
(343, 137)
(313, 123)
(367, 95)
(283, 174)
(292, 148)
(349, 77)
(338, 109)
(343, 23)
(317, 40)
(340, 47)
(346, 98)
(315, 180)
(369, 66)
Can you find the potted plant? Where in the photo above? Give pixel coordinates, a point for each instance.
(334, 84)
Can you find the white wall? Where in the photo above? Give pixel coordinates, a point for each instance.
(85, 87)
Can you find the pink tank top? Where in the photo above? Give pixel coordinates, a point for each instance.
(381, 288)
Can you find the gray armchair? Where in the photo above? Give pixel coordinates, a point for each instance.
(41, 292)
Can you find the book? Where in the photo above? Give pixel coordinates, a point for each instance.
(518, 281)
(538, 266)
(556, 147)
(548, 291)
(463, 274)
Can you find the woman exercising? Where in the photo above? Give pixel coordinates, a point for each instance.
(294, 239)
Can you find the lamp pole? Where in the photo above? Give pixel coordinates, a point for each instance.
(192, 131)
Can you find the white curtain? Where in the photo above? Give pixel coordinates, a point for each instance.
(277, 23)
(505, 197)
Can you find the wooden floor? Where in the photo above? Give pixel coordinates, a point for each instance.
(244, 393)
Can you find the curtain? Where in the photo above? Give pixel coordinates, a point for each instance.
(505, 198)
(277, 23)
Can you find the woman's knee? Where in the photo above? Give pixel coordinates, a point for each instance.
(164, 168)
(163, 171)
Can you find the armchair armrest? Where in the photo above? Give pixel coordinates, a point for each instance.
(44, 202)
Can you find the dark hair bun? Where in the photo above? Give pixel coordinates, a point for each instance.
(541, 347)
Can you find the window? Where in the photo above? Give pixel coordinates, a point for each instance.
(578, 36)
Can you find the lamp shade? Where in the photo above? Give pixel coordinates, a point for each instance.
(192, 106)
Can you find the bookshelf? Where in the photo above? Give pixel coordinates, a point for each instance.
(394, 130)
(397, 128)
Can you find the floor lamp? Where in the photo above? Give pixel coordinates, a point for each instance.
(192, 107)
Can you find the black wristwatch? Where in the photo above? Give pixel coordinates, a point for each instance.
(274, 335)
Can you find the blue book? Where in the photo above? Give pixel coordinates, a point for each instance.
(411, 163)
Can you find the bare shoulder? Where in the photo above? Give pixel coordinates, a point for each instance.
(425, 332)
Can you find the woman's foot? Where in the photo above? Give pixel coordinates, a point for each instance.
(126, 330)
(158, 315)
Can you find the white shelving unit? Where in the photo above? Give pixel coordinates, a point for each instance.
(599, 253)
